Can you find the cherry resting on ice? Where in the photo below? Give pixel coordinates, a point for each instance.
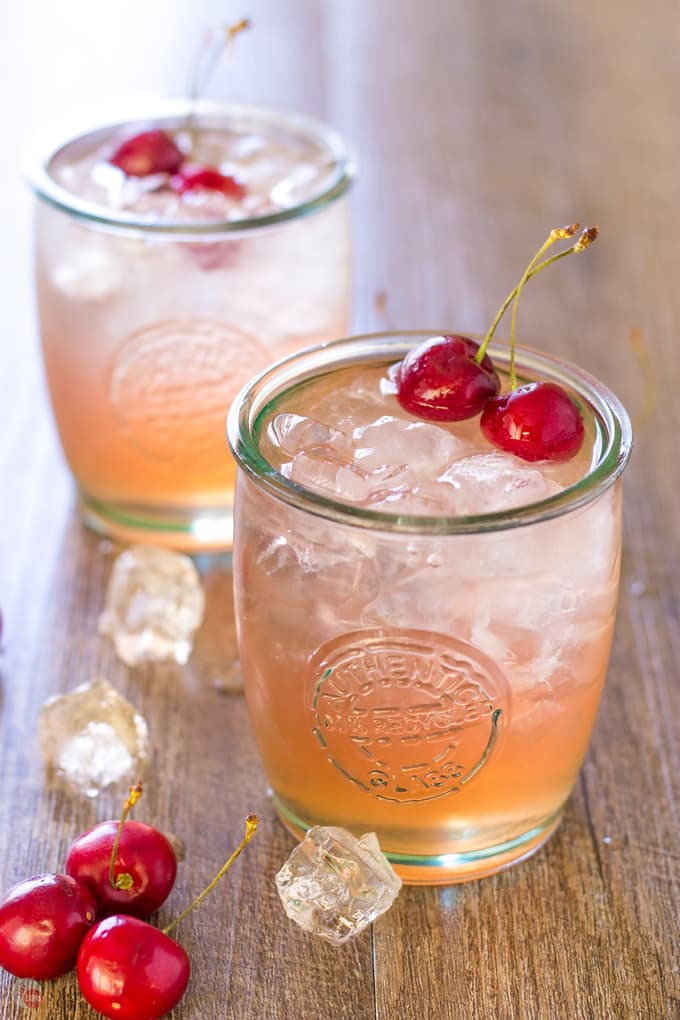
(441, 381)
(150, 152)
(207, 177)
(538, 421)
(43, 921)
(452, 378)
(155, 151)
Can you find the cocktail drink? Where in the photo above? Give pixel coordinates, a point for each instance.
(424, 620)
(164, 285)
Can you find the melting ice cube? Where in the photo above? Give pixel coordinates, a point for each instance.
(490, 482)
(334, 885)
(424, 450)
(295, 434)
(93, 738)
(154, 603)
(88, 273)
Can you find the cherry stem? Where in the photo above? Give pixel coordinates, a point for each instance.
(552, 237)
(586, 238)
(211, 49)
(251, 826)
(124, 880)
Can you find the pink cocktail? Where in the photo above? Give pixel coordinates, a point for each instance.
(425, 621)
(158, 300)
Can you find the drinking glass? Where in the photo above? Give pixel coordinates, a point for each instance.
(432, 678)
(155, 311)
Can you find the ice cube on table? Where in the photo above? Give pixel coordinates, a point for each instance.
(334, 885)
(154, 604)
(93, 737)
(493, 482)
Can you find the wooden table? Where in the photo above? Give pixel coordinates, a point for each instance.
(479, 127)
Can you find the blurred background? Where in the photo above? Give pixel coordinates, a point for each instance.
(343, 60)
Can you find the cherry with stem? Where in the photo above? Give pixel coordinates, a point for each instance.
(538, 421)
(213, 46)
(154, 151)
(209, 53)
(586, 238)
(251, 828)
(130, 867)
(441, 380)
(124, 880)
(451, 378)
(129, 970)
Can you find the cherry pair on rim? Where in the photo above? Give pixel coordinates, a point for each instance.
(452, 378)
(156, 152)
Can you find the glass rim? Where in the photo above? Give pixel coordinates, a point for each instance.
(166, 111)
(257, 394)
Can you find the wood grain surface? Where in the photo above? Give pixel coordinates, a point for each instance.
(479, 126)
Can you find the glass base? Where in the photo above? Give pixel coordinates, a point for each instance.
(452, 868)
(188, 530)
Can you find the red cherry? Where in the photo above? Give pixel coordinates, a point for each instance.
(43, 921)
(129, 970)
(144, 855)
(209, 178)
(539, 421)
(151, 152)
(440, 380)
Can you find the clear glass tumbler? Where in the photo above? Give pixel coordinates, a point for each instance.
(434, 679)
(154, 310)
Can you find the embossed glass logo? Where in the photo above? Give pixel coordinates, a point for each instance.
(408, 715)
(171, 383)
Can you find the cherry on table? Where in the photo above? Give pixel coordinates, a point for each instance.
(538, 421)
(144, 868)
(129, 970)
(43, 921)
(149, 152)
(440, 380)
(210, 179)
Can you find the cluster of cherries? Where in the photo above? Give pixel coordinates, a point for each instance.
(452, 378)
(155, 152)
(91, 917)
